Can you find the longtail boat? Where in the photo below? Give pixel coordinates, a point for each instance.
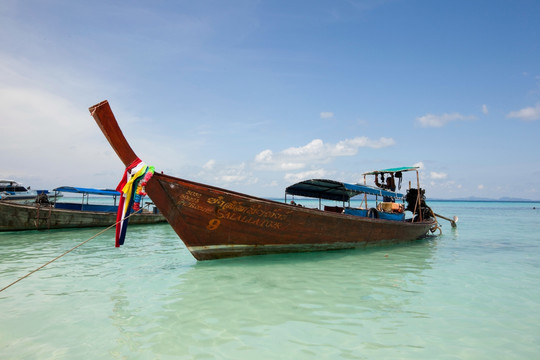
(216, 223)
(47, 213)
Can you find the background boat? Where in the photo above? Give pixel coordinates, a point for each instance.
(13, 190)
(45, 214)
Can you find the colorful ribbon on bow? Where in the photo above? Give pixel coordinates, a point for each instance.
(132, 189)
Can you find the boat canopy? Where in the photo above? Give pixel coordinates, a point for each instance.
(11, 186)
(335, 190)
(90, 191)
(9, 182)
(392, 170)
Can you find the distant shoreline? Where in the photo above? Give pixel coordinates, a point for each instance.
(486, 200)
(447, 200)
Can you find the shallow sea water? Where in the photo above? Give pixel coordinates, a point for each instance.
(472, 293)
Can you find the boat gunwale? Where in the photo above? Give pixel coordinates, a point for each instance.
(295, 207)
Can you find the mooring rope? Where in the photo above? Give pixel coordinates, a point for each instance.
(59, 256)
(436, 226)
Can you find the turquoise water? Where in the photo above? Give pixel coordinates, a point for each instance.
(472, 293)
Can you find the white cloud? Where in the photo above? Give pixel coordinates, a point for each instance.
(481, 187)
(316, 152)
(49, 138)
(350, 146)
(264, 156)
(327, 115)
(313, 148)
(292, 166)
(37, 111)
(209, 165)
(311, 174)
(437, 175)
(233, 174)
(526, 114)
(431, 120)
(485, 109)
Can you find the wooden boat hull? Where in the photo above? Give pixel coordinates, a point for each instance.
(17, 217)
(215, 223)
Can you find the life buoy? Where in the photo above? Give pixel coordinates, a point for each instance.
(373, 213)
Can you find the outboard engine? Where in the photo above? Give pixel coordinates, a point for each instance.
(411, 198)
(42, 199)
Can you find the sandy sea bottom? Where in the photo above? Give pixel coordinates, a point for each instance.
(472, 293)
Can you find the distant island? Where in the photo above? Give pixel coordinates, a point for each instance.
(470, 198)
(481, 199)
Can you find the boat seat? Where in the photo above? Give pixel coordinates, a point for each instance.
(391, 207)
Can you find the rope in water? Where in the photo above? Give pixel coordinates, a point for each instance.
(59, 256)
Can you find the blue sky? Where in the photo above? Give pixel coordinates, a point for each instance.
(256, 95)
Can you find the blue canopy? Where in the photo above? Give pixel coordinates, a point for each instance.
(392, 170)
(335, 190)
(80, 190)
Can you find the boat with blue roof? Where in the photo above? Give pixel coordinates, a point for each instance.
(80, 207)
(217, 223)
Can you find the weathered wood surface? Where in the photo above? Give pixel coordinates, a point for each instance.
(216, 223)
